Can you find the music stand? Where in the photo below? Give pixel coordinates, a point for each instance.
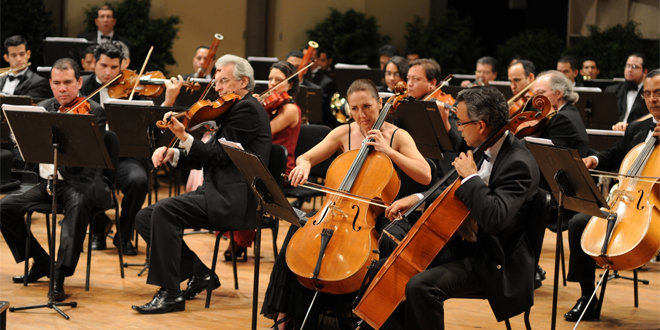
(598, 110)
(573, 188)
(4, 128)
(423, 121)
(57, 47)
(75, 140)
(345, 77)
(271, 200)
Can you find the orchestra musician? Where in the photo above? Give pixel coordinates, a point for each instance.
(319, 74)
(108, 57)
(521, 73)
(582, 267)
(105, 22)
(224, 201)
(78, 190)
(201, 53)
(15, 51)
(285, 126)
(396, 69)
(87, 62)
(386, 52)
(629, 99)
(590, 68)
(568, 65)
(286, 299)
(485, 73)
(495, 192)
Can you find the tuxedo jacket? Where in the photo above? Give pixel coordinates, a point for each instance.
(86, 180)
(34, 86)
(638, 109)
(89, 86)
(504, 259)
(636, 133)
(93, 37)
(566, 129)
(230, 202)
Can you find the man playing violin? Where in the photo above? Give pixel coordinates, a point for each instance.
(582, 267)
(224, 200)
(495, 192)
(24, 82)
(78, 190)
(132, 176)
(521, 74)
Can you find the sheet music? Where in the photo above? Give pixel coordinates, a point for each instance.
(604, 132)
(63, 39)
(133, 102)
(23, 108)
(538, 140)
(351, 66)
(232, 144)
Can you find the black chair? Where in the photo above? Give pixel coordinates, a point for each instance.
(535, 231)
(276, 166)
(310, 135)
(112, 144)
(410, 186)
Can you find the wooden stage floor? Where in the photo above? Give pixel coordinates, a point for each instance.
(108, 303)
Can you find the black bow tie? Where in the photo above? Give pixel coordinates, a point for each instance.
(631, 86)
(106, 37)
(20, 78)
(486, 157)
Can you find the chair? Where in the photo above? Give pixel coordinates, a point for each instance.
(112, 144)
(310, 135)
(535, 231)
(276, 165)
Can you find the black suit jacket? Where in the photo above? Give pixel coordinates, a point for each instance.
(566, 129)
(230, 201)
(93, 37)
(34, 86)
(638, 109)
(89, 86)
(610, 159)
(504, 258)
(86, 180)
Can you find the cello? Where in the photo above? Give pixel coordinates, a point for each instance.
(632, 238)
(318, 253)
(434, 229)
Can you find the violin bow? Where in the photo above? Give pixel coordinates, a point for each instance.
(263, 95)
(442, 84)
(96, 92)
(144, 65)
(520, 94)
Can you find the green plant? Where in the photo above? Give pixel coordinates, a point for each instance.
(448, 40)
(539, 46)
(30, 20)
(351, 37)
(612, 46)
(133, 22)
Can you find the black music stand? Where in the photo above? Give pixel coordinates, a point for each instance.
(271, 201)
(138, 135)
(56, 48)
(423, 121)
(598, 110)
(75, 140)
(574, 189)
(4, 128)
(345, 77)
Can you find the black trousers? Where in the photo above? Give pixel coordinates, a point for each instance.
(77, 211)
(161, 225)
(581, 267)
(133, 180)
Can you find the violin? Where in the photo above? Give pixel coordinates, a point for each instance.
(318, 253)
(517, 102)
(630, 236)
(203, 112)
(306, 63)
(431, 233)
(274, 101)
(122, 88)
(446, 99)
(79, 105)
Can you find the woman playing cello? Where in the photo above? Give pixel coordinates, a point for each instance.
(285, 297)
(285, 120)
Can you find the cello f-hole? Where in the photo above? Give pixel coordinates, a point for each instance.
(356, 217)
(639, 201)
(325, 212)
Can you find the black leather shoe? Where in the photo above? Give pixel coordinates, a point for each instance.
(98, 242)
(580, 306)
(38, 270)
(58, 291)
(539, 277)
(127, 248)
(198, 284)
(163, 302)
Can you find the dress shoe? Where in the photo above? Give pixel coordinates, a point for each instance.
(580, 306)
(58, 291)
(163, 302)
(127, 248)
(197, 284)
(98, 242)
(539, 277)
(39, 269)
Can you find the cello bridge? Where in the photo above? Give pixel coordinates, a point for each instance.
(337, 210)
(622, 194)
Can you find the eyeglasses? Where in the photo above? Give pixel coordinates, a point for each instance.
(460, 123)
(633, 66)
(647, 95)
(395, 74)
(224, 81)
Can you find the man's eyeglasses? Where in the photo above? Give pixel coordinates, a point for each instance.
(415, 79)
(460, 123)
(223, 81)
(633, 66)
(651, 94)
